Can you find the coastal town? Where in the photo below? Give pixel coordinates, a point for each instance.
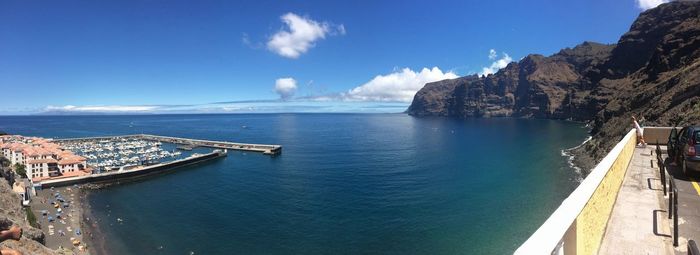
(32, 160)
(48, 175)
(42, 159)
(57, 210)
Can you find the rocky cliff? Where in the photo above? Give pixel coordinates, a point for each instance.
(653, 72)
(545, 87)
(12, 213)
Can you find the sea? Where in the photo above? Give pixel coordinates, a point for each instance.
(343, 184)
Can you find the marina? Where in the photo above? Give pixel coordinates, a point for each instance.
(136, 172)
(119, 152)
(62, 162)
(188, 143)
(114, 158)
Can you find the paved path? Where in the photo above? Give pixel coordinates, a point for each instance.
(688, 206)
(639, 223)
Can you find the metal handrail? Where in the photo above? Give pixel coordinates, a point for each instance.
(662, 167)
(673, 208)
(672, 193)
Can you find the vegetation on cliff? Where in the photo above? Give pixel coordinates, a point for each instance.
(21, 170)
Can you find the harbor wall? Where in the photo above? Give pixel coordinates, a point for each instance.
(94, 138)
(130, 174)
(264, 148)
(577, 226)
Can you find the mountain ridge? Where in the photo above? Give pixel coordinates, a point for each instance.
(652, 72)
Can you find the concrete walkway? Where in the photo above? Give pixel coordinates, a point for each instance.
(639, 222)
(688, 206)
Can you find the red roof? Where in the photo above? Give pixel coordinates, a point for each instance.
(39, 161)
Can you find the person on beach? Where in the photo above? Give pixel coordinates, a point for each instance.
(640, 133)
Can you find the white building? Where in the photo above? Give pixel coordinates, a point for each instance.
(42, 159)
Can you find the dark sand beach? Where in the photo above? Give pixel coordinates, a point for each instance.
(94, 237)
(64, 227)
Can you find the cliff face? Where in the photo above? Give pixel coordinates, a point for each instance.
(12, 213)
(653, 72)
(537, 86)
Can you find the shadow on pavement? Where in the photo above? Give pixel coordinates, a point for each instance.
(656, 223)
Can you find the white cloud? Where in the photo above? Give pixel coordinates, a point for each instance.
(648, 4)
(300, 34)
(492, 54)
(497, 64)
(341, 29)
(106, 108)
(285, 87)
(399, 86)
(260, 106)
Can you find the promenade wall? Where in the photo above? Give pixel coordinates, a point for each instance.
(578, 225)
(652, 135)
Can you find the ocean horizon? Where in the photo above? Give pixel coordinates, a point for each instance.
(344, 183)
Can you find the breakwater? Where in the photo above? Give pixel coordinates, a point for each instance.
(268, 149)
(130, 174)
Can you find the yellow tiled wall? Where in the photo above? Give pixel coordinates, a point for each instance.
(593, 219)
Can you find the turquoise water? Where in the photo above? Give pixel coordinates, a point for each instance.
(344, 184)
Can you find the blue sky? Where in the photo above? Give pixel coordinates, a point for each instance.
(182, 56)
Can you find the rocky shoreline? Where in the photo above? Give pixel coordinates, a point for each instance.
(582, 160)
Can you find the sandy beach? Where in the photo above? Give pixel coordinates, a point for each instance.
(59, 212)
(93, 236)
